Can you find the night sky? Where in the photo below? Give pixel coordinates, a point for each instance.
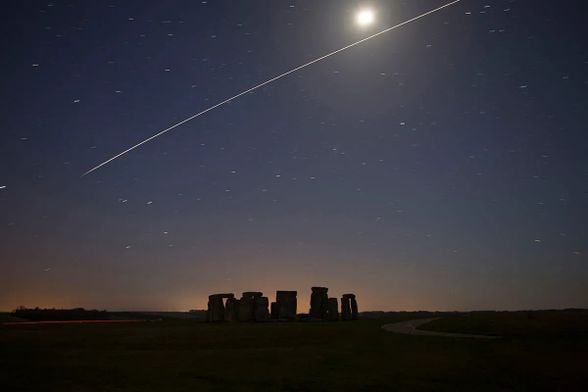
(441, 166)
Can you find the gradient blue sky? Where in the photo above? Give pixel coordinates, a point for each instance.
(441, 166)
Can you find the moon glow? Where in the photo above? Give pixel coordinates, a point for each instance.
(365, 17)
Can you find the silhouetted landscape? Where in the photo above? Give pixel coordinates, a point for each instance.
(536, 350)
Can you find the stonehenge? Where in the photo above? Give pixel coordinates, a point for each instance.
(260, 309)
(354, 310)
(225, 307)
(216, 306)
(248, 304)
(285, 306)
(332, 310)
(231, 309)
(274, 310)
(253, 306)
(319, 303)
(349, 307)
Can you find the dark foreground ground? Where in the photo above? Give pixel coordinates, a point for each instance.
(538, 351)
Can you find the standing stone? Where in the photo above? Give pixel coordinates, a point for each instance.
(231, 309)
(261, 312)
(252, 294)
(216, 311)
(349, 307)
(246, 308)
(354, 310)
(346, 307)
(275, 310)
(216, 307)
(333, 310)
(319, 302)
(286, 304)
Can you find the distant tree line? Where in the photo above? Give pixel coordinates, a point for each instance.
(39, 314)
(52, 314)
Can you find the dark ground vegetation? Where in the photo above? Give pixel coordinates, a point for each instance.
(538, 351)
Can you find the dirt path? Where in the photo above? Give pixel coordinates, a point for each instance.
(410, 327)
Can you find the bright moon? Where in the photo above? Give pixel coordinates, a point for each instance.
(365, 17)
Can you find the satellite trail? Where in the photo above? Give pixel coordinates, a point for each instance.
(265, 83)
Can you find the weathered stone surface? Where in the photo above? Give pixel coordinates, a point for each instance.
(286, 304)
(333, 310)
(261, 312)
(319, 302)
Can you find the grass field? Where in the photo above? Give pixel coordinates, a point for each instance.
(355, 356)
(525, 324)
